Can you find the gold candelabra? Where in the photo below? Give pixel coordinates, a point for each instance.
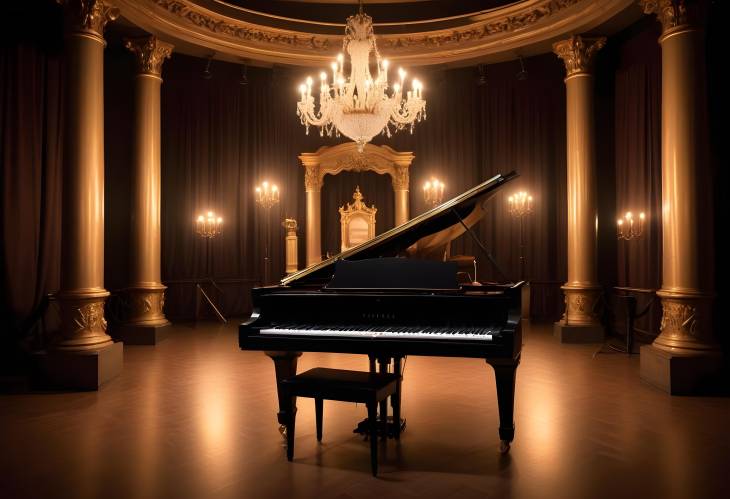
(267, 196)
(433, 192)
(208, 226)
(627, 228)
(520, 206)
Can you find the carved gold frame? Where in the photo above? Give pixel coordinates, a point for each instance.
(350, 211)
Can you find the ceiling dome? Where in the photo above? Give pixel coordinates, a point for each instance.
(411, 32)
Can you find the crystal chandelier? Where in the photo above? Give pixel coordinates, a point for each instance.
(361, 106)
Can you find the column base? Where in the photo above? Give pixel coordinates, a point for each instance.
(590, 333)
(79, 370)
(142, 335)
(679, 374)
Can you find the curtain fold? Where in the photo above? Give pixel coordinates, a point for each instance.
(31, 111)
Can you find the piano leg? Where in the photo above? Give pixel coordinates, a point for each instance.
(395, 398)
(383, 363)
(285, 365)
(504, 373)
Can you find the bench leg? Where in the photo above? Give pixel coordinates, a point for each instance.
(318, 409)
(373, 420)
(291, 423)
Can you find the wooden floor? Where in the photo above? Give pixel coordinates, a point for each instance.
(194, 417)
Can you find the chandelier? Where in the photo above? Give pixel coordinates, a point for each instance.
(361, 106)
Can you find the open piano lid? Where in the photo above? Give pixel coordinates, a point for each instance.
(432, 229)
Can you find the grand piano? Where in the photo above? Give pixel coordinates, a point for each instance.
(393, 296)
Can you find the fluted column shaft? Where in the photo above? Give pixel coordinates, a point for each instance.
(582, 291)
(82, 295)
(144, 298)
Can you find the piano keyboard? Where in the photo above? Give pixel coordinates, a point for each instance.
(408, 332)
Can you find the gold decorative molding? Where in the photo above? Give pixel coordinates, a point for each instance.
(241, 32)
(401, 178)
(351, 211)
(686, 323)
(89, 16)
(577, 53)
(312, 179)
(150, 54)
(671, 13)
(144, 306)
(581, 306)
(220, 25)
(82, 326)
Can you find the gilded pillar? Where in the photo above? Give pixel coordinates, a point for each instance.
(313, 185)
(290, 241)
(581, 322)
(145, 297)
(685, 352)
(82, 354)
(400, 188)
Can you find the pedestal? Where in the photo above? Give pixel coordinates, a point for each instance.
(76, 370)
(578, 334)
(679, 374)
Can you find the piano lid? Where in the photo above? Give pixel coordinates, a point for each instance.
(432, 229)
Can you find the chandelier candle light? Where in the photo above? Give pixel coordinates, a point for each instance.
(628, 228)
(360, 106)
(433, 192)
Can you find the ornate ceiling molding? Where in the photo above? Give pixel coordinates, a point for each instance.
(241, 33)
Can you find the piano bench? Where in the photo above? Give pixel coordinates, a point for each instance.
(346, 386)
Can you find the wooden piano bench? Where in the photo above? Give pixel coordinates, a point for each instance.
(346, 386)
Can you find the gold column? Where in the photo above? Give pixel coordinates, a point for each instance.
(582, 291)
(400, 188)
(144, 318)
(292, 260)
(83, 355)
(685, 353)
(313, 186)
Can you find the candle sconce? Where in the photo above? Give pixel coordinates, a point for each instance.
(628, 227)
(433, 192)
(267, 196)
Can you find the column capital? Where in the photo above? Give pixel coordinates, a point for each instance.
(150, 53)
(312, 179)
(671, 13)
(401, 178)
(89, 16)
(577, 53)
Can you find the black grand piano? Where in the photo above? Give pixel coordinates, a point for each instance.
(392, 296)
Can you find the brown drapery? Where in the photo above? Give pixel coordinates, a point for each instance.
(31, 112)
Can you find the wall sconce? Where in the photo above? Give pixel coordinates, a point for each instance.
(433, 192)
(628, 228)
(208, 225)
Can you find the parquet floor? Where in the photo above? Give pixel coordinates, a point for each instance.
(194, 417)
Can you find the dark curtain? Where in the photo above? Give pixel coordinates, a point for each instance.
(476, 131)
(31, 113)
(221, 138)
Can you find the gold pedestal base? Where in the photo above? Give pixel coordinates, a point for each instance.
(578, 334)
(80, 370)
(679, 374)
(83, 326)
(141, 335)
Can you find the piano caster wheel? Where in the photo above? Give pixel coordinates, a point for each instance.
(503, 447)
